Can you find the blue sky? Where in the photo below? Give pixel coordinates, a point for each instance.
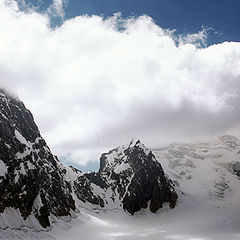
(220, 17)
(186, 16)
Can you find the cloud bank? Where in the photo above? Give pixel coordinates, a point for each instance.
(95, 83)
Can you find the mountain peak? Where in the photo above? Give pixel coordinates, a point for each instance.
(118, 156)
(134, 142)
(138, 177)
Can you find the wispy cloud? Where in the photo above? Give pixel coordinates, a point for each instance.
(198, 39)
(56, 9)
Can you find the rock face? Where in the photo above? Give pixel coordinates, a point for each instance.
(30, 179)
(136, 178)
(34, 181)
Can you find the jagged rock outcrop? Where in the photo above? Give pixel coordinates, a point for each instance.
(30, 179)
(33, 180)
(136, 178)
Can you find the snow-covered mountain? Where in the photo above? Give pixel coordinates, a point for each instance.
(206, 172)
(134, 177)
(31, 183)
(36, 188)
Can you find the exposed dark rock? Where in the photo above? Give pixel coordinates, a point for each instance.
(31, 169)
(141, 183)
(84, 192)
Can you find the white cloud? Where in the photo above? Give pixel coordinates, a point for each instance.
(198, 39)
(94, 83)
(56, 9)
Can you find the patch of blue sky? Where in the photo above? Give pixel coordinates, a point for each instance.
(220, 18)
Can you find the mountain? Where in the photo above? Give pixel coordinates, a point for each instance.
(30, 179)
(135, 178)
(207, 172)
(37, 189)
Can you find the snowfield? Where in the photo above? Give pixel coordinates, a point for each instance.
(178, 224)
(208, 208)
(198, 223)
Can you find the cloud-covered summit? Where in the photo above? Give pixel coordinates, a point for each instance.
(93, 82)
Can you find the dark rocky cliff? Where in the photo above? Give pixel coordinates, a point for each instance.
(32, 181)
(138, 178)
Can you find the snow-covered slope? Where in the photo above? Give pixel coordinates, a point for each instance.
(204, 171)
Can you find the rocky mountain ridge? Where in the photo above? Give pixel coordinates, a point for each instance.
(37, 185)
